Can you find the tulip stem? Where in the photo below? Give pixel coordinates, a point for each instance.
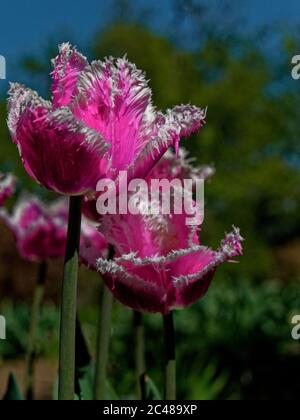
(104, 332)
(170, 358)
(34, 322)
(140, 363)
(68, 303)
(103, 339)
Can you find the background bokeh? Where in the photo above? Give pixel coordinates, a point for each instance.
(235, 58)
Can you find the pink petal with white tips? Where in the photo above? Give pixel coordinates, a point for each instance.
(166, 131)
(113, 99)
(67, 67)
(40, 231)
(57, 150)
(164, 283)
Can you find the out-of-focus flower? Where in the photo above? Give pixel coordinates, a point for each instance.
(40, 230)
(7, 187)
(101, 121)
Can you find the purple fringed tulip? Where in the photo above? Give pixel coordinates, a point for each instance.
(101, 121)
(160, 264)
(7, 187)
(40, 230)
(158, 269)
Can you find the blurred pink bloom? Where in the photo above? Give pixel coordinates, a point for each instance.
(40, 230)
(101, 121)
(7, 187)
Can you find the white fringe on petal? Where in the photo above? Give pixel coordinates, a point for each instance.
(230, 248)
(156, 260)
(19, 98)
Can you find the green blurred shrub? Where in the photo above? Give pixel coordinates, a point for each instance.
(17, 324)
(236, 343)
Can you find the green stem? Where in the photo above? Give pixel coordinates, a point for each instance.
(170, 360)
(34, 321)
(140, 363)
(104, 331)
(68, 304)
(103, 339)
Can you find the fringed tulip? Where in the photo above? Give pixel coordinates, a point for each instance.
(101, 121)
(158, 268)
(40, 230)
(160, 264)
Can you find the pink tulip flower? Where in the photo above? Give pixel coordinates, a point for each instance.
(7, 187)
(40, 230)
(101, 121)
(160, 264)
(157, 269)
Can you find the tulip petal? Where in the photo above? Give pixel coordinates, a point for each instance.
(131, 288)
(57, 151)
(19, 98)
(166, 131)
(154, 234)
(194, 269)
(114, 99)
(67, 67)
(162, 283)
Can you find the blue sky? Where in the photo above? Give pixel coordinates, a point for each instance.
(25, 26)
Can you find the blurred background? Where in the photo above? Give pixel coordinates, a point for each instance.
(235, 58)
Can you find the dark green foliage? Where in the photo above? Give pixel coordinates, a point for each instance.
(13, 392)
(17, 317)
(236, 343)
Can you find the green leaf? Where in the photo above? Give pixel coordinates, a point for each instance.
(86, 386)
(13, 392)
(82, 365)
(209, 384)
(151, 391)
